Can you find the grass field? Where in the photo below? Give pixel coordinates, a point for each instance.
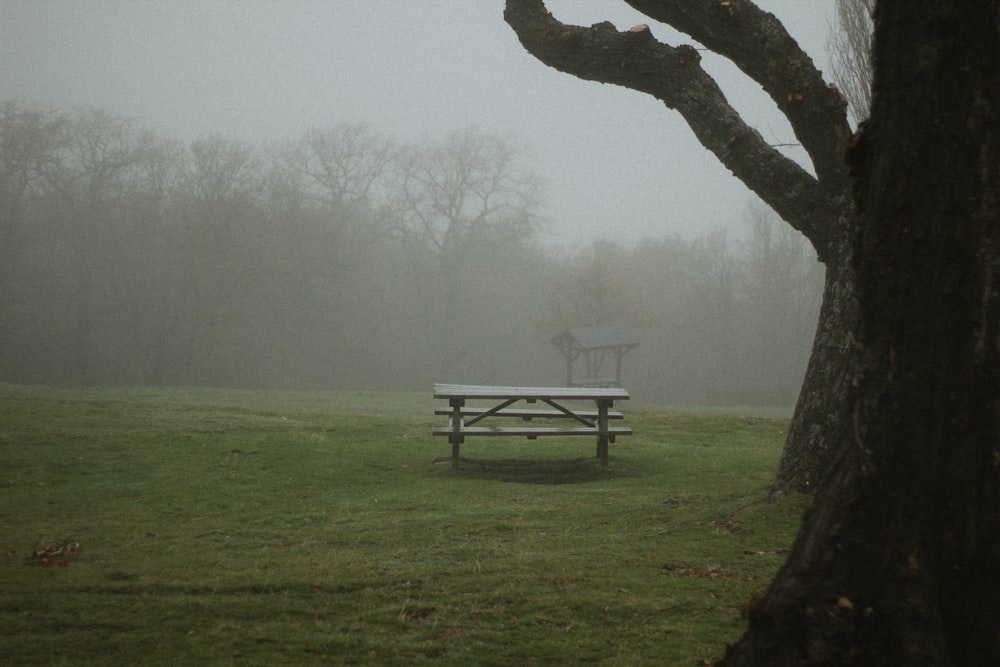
(249, 528)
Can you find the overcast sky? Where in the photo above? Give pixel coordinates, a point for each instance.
(619, 164)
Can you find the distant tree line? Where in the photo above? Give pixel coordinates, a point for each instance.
(347, 260)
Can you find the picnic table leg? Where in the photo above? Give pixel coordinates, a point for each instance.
(455, 438)
(602, 430)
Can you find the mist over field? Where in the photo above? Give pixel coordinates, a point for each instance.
(250, 195)
(347, 259)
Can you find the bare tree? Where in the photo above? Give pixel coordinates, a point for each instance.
(466, 194)
(470, 187)
(223, 172)
(345, 168)
(591, 293)
(783, 283)
(850, 48)
(103, 152)
(31, 141)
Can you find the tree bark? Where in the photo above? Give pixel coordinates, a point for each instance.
(822, 410)
(898, 561)
(819, 205)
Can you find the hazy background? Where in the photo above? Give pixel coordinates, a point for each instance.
(619, 164)
(162, 223)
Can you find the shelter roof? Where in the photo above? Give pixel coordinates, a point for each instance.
(592, 338)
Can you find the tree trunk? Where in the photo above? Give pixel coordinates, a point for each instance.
(822, 408)
(898, 561)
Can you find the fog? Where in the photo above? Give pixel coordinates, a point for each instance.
(619, 164)
(264, 195)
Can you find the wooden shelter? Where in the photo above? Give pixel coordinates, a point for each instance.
(593, 345)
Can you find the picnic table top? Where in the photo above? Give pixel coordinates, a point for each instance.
(566, 393)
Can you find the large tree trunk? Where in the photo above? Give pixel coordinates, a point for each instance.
(898, 561)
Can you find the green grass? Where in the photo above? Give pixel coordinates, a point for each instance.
(224, 527)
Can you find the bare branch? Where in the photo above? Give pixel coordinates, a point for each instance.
(850, 47)
(636, 60)
(758, 44)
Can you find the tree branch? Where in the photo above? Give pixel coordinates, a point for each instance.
(758, 44)
(673, 75)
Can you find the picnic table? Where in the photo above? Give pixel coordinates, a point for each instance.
(497, 402)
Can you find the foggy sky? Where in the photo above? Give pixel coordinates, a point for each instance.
(620, 165)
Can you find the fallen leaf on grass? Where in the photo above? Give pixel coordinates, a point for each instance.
(54, 552)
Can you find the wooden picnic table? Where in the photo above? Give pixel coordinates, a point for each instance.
(465, 420)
